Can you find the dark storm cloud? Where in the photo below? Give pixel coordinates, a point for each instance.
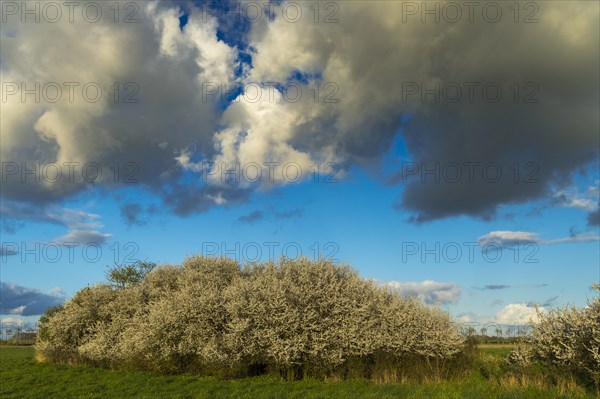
(24, 301)
(520, 146)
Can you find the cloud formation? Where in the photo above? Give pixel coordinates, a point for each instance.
(507, 238)
(83, 227)
(354, 103)
(24, 301)
(430, 292)
(153, 63)
(518, 313)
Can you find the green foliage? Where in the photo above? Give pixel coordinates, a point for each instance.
(129, 274)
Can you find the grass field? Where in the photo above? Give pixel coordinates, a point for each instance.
(22, 377)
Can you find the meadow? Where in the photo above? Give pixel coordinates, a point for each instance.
(22, 377)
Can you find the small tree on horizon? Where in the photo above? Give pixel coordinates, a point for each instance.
(129, 274)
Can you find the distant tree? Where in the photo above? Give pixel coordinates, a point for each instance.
(130, 274)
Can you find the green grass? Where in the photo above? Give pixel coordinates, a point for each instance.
(497, 350)
(21, 376)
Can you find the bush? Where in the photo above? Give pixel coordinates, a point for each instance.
(295, 318)
(565, 339)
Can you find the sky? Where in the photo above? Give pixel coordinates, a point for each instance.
(449, 151)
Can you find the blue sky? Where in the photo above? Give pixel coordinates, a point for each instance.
(353, 221)
(401, 230)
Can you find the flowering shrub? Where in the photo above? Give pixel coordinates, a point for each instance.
(211, 316)
(567, 339)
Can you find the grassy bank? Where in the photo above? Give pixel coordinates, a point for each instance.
(21, 376)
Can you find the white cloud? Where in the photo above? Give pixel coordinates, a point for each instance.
(518, 313)
(470, 317)
(430, 292)
(506, 238)
(572, 198)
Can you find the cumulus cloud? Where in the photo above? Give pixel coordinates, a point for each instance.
(430, 292)
(372, 101)
(165, 68)
(24, 301)
(518, 313)
(174, 126)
